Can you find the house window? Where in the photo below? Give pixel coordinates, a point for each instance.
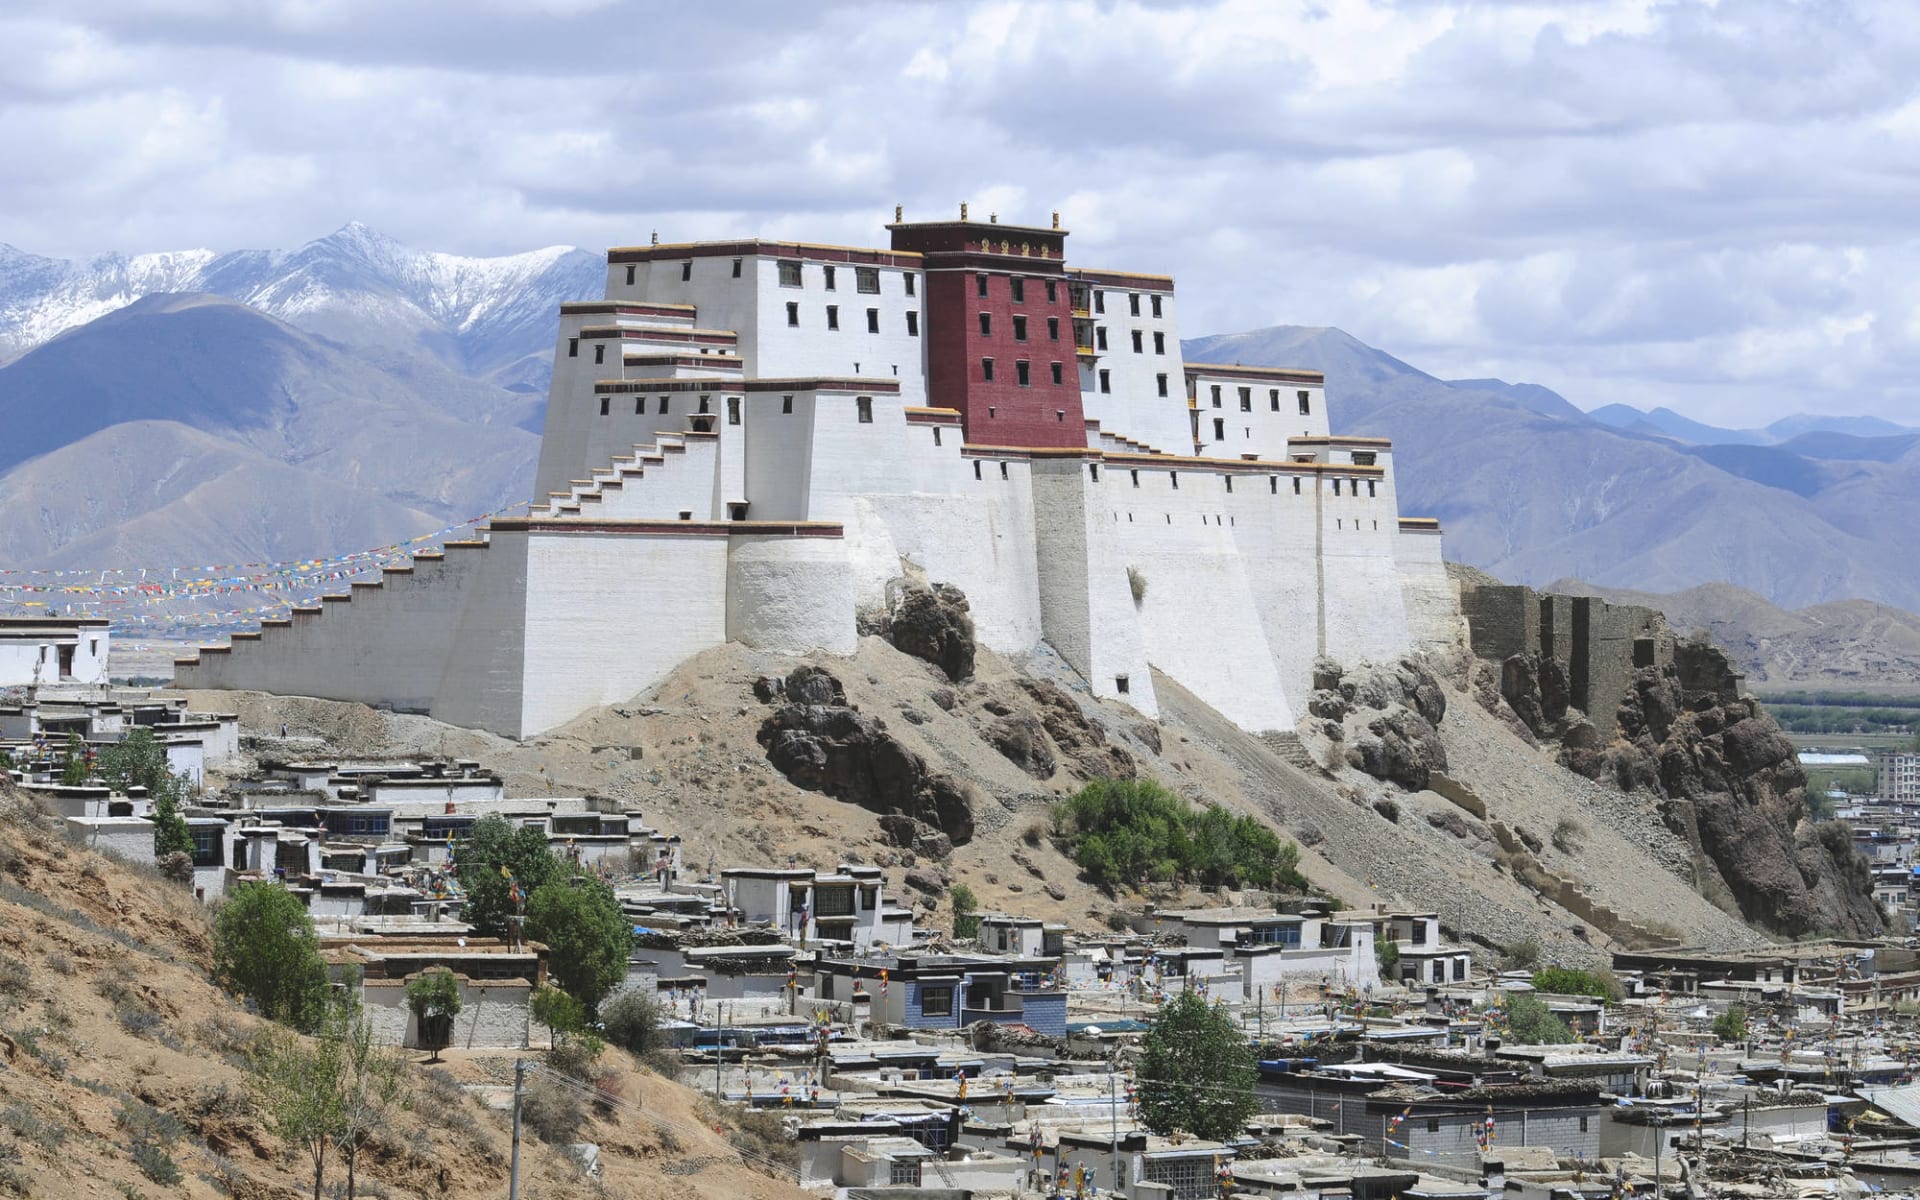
(1433, 1124)
(793, 310)
(1021, 373)
(736, 268)
(1019, 285)
(1296, 485)
(913, 322)
(1162, 381)
(1273, 485)
(1136, 476)
(1106, 382)
(1216, 395)
(986, 370)
(1156, 306)
(1099, 301)
(1306, 404)
(1174, 476)
(1246, 399)
(1273, 398)
(600, 353)
(1219, 429)
(865, 405)
(1052, 293)
(1121, 684)
(786, 404)
(980, 286)
(1133, 303)
(1363, 458)
(629, 274)
(573, 347)
(789, 274)
(976, 468)
(1138, 347)
(1159, 343)
(639, 406)
(1019, 329)
(704, 402)
(908, 278)
(833, 316)
(686, 271)
(733, 410)
(1229, 480)
(1003, 470)
(1336, 487)
(663, 405)
(904, 1172)
(603, 405)
(1583, 1124)
(1053, 329)
(873, 320)
(827, 272)
(1100, 337)
(866, 280)
(936, 435)
(1059, 375)
(986, 324)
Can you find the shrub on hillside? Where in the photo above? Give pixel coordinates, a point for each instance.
(1565, 981)
(264, 948)
(1133, 831)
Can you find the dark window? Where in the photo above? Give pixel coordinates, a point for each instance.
(629, 274)
(905, 1172)
(1100, 337)
(873, 320)
(736, 268)
(1138, 347)
(1229, 480)
(573, 347)
(600, 353)
(793, 310)
(1336, 487)
(1369, 489)
(909, 280)
(1133, 303)
(1306, 403)
(1246, 399)
(833, 316)
(1273, 484)
(1120, 684)
(1019, 329)
(1136, 476)
(986, 370)
(986, 324)
(1216, 395)
(936, 435)
(1296, 485)
(1093, 470)
(603, 405)
(1433, 1124)
(1003, 470)
(663, 405)
(827, 272)
(865, 405)
(704, 402)
(1018, 284)
(1159, 343)
(1099, 301)
(1052, 294)
(976, 468)
(639, 406)
(866, 280)
(789, 274)
(1219, 429)
(1175, 477)
(1106, 382)
(1021, 372)
(786, 404)
(1162, 379)
(733, 410)
(1583, 1120)
(1273, 398)
(1053, 329)
(980, 286)
(1156, 306)
(686, 270)
(913, 322)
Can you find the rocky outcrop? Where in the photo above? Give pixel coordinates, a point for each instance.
(1082, 741)
(820, 743)
(1386, 714)
(1730, 783)
(1023, 741)
(934, 623)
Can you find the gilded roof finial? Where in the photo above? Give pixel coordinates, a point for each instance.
(656, 237)
(1056, 218)
(896, 214)
(963, 210)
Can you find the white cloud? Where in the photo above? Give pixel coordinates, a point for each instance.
(1662, 201)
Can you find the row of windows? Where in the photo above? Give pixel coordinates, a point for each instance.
(863, 403)
(1020, 327)
(866, 280)
(1133, 303)
(1016, 288)
(1104, 381)
(833, 318)
(1022, 372)
(1305, 399)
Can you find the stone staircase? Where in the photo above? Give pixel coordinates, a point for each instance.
(1288, 746)
(665, 480)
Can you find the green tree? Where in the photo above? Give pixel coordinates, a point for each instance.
(75, 770)
(496, 843)
(1387, 954)
(1731, 1025)
(1123, 831)
(559, 1012)
(1196, 1071)
(140, 760)
(966, 922)
(265, 949)
(1531, 1023)
(372, 1085)
(588, 937)
(631, 1021)
(1565, 981)
(297, 1082)
(433, 996)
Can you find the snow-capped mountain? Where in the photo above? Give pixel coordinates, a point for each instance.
(490, 318)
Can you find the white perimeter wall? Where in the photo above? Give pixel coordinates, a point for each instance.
(790, 595)
(493, 1015)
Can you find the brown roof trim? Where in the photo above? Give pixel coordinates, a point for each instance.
(720, 362)
(864, 256)
(1337, 440)
(992, 262)
(979, 226)
(1121, 279)
(623, 307)
(1432, 523)
(1236, 371)
(641, 333)
(656, 528)
(917, 415)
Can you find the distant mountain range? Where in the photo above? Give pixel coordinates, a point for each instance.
(174, 408)
(1533, 490)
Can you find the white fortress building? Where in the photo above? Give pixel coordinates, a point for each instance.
(746, 441)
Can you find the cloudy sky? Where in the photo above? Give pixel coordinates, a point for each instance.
(1705, 205)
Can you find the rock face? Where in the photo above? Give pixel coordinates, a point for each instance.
(821, 744)
(934, 623)
(1390, 713)
(1732, 785)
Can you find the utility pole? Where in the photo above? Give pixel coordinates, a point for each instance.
(1113, 1117)
(519, 1092)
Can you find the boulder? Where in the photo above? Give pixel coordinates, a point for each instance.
(1082, 740)
(1023, 740)
(1398, 746)
(935, 623)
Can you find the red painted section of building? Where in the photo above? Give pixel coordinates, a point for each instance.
(1001, 411)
